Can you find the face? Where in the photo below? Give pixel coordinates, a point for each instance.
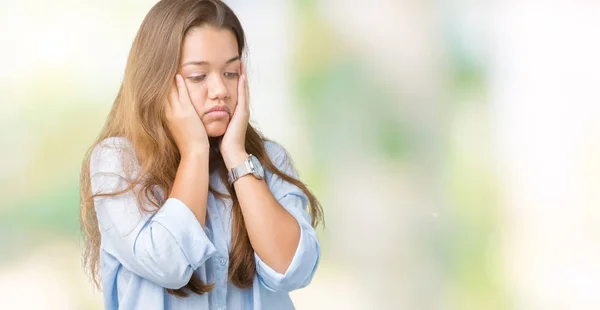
(210, 65)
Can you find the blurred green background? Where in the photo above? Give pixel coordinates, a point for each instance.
(454, 145)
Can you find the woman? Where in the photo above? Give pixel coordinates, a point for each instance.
(184, 204)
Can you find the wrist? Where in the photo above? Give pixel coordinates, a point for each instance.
(234, 159)
(195, 153)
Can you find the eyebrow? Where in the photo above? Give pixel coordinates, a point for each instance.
(202, 63)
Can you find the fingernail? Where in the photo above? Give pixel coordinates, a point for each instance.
(178, 78)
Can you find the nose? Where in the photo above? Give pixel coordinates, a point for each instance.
(217, 89)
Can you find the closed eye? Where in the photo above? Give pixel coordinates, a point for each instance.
(197, 78)
(231, 75)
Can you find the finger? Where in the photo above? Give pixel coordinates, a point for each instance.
(183, 95)
(243, 91)
(173, 94)
(168, 108)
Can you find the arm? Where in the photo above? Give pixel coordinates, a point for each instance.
(164, 247)
(286, 247)
(191, 183)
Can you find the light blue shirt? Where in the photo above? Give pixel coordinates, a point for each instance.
(141, 254)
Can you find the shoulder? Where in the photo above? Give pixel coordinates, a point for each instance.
(280, 157)
(273, 148)
(112, 144)
(276, 152)
(109, 154)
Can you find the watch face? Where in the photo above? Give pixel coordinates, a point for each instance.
(258, 168)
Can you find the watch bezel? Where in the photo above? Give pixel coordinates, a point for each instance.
(256, 167)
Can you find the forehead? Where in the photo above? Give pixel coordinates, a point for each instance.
(209, 44)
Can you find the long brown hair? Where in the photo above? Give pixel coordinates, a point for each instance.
(138, 114)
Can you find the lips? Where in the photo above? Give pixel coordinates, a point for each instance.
(219, 109)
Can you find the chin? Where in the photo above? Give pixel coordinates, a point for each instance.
(216, 129)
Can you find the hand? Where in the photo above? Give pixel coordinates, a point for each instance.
(183, 121)
(233, 144)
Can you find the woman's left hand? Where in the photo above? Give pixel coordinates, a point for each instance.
(233, 144)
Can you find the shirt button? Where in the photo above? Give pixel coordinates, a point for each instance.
(220, 308)
(222, 262)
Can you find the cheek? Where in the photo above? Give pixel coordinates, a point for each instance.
(233, 91)
(197, 95)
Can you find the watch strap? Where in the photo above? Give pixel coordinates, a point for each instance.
(239, 171)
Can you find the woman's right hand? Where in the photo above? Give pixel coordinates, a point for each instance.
(183, 121)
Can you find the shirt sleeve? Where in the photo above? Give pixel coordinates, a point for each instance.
(164, 247)
(306, 258)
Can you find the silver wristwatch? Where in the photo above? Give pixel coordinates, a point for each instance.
(250, 165)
